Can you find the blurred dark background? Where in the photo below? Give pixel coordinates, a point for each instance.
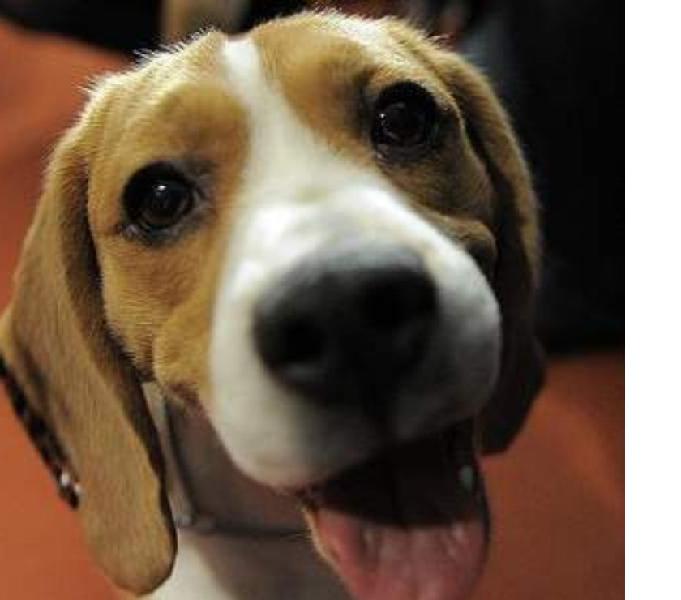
(557, 495)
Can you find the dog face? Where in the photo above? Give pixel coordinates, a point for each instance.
(322, 237)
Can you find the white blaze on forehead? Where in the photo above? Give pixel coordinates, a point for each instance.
(283, 151)
(297, 196)
(242, 68)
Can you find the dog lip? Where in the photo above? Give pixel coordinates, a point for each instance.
(456, 446)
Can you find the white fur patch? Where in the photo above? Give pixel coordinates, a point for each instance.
(298, 196)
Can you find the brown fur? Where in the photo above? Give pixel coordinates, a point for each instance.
(94, 312)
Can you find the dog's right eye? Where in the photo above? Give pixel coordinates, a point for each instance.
(158, 197)
(405, 122)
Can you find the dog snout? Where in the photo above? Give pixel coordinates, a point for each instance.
(347, 325)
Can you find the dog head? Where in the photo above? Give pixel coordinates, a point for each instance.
(323, 238)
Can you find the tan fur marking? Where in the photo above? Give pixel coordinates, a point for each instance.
(175, 108)
(355, 59)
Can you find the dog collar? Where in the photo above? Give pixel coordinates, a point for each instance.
(186, 515)
(43, 440)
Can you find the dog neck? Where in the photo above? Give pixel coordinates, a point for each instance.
(236, 539)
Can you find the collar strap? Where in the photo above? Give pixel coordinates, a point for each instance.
(186, 515)
(44, 441)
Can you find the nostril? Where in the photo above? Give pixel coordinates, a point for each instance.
(392, 304)
(289, 341)
(303, 342)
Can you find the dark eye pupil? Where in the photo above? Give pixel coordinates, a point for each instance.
(401, 124)
(166, 202)
(405, 120)
(158, 196)
(163, 203)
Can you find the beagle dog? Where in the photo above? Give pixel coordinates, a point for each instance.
(315, 247)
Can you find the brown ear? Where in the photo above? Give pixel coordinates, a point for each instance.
(517, 237)
(56, 347)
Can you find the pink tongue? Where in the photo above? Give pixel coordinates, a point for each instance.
(390, 562)
(407, 525)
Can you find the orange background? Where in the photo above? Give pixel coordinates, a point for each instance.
(557, 497)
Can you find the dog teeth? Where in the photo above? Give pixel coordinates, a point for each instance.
(459, 534)
(454, 542)
(371, 541)
(467, 478)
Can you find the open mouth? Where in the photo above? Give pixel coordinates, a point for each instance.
(410, 524)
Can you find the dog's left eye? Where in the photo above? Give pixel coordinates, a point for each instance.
(158, 197)
(405, 121)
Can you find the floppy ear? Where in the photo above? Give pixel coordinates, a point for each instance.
(517, 238)
(63, 363)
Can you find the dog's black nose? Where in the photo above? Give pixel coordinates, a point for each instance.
(347, 324)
